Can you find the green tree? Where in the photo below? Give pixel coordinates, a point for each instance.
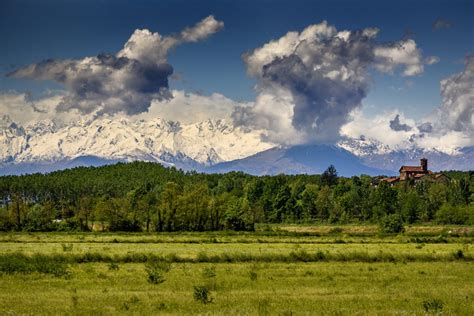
(324, 203)
(329, 176)
(437, 196)
(455, 214)
(167, 208)
(384, 200)
(308, 202)
(413, 207)
(280, 204)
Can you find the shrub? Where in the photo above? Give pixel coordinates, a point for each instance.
(156, 271)
(300, 255)
(209, 272)
(67, 247)
(113, 266)
(6, 224)
(434, 305)
(202, 257)
(459, 255)
(125, 225)
(319, 256)
(19, 263)
(336, 230)
(202, 294)
(253, 275)
(458, 215)
(392, 224)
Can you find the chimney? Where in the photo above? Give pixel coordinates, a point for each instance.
(424, 164)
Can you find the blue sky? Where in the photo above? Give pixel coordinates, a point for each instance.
(35, 30)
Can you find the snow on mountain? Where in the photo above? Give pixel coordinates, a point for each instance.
(12, 139)
(211, 146)
(204, 143)
(375, 154)
(363, 147)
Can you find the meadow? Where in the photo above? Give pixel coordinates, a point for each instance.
(281, 270)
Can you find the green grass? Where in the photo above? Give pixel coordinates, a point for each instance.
(298, 288)
(192, 250)
(237, 273)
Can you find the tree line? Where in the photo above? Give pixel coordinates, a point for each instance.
(143, 196)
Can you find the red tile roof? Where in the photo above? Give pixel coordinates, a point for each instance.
(411, 169)
(390, 180)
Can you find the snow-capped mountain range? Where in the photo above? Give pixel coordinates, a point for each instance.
(375, 154)
(205, 143)
(208, 146)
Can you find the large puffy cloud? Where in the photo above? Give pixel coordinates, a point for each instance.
(449, 128)
(272, 112)
(309, 82)
(124, 82)
(22, 109)
(457, 111)
(422, 136)
(379, 128)
(184, 107)
(191, 107)
(403, 53)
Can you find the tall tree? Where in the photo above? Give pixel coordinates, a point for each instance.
(329, 176)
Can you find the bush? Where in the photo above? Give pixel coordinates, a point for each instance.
(458, 215)
(202, 294)
(392, 224)
(434, 305)
(253, 275)
(156, 271)
(113, 266)
(19, 263)
(209, 272)
(459, 254)
(6, 224)
(67, 247)
(124, 225)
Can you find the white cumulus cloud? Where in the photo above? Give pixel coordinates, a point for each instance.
(309, 81)
(123, 82)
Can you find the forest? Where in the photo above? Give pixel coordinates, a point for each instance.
(143, 196)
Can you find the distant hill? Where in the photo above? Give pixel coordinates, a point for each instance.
(311, 159)
(46, 167)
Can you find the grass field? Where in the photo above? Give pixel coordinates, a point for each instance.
(294, 270)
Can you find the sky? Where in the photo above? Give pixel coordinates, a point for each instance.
(417, 45)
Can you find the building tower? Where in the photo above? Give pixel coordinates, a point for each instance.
(424, 164)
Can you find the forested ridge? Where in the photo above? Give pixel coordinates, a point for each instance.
(143, 196)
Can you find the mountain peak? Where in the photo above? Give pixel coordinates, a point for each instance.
(205, 143)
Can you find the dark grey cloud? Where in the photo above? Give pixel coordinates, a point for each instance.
(426, 127)
(124, 82)
(309, 82)
(112, 83)
(321, 103)
(457, 91)
(441, 24)
(397, 126)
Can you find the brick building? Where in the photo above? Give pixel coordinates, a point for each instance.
(416, 174)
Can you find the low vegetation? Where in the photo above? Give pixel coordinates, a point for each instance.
(268, 273)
